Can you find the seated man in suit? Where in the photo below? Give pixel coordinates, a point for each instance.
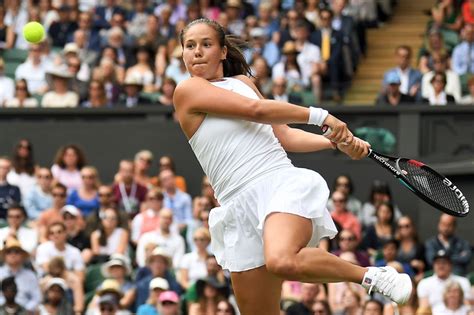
(330, 43)
(410, 78)
(132, 97)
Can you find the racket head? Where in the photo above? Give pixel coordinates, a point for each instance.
(432, 187)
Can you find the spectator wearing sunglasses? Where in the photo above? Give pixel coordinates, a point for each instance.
(27, 237)
(22, 97)
(343, 183)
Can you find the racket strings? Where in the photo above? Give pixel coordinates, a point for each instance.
(431, 185)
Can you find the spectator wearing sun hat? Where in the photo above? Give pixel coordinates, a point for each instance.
(61, 94)
(55, 300)
(14, 256)
(108, 296)
(157, 287)
(119, 268)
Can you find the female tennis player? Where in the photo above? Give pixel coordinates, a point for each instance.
(271, 212)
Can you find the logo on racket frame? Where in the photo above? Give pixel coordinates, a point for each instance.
(458, 193)
(384, 161)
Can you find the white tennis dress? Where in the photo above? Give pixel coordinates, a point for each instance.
(253, 177)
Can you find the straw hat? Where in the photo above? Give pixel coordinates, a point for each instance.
(109, 286)
(234, 4)
(160, 252)
(12, 243)
(133, 81)
(289, 48)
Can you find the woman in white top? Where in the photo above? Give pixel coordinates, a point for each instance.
(61, 94)
(22, 96)
(193, 264)
(110, 238)
(142, 71)
(68, 162)
(23, 167)
(270, 210)
(453, 301)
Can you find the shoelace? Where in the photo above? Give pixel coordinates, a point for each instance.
(386, 278)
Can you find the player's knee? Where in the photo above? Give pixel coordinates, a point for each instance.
(282, 265)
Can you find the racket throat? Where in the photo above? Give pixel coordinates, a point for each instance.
(382, 160)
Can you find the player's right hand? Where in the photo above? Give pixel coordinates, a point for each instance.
(339, 131)
(357, 150)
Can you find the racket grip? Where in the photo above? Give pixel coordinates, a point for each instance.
(326, 130)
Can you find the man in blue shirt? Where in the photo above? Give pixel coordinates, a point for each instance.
(176, 200)
(462, 60)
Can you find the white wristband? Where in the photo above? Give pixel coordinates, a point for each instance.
(317, 116)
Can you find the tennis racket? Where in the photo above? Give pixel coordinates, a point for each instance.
(423, 181)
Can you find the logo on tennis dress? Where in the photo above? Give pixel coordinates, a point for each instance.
(458, 194)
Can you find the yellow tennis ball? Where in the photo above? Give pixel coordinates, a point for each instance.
(33, 32)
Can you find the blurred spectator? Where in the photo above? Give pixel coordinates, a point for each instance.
(233, 10)
(209, 9)
(262, 78)
(116, 38)
(128, 193)
(389, 257)
(81, 40)
(321, 307)
(447, 17)
(106, 201)
(53, 214)
(351, 303)
(57, 246)
(410, 79)
(438, 95)
(75, 231)
(430, 290)
(40, 197)
(348, 242)
(346, 219)
(55, 301)
(8, 85)
(27, 237)
(176, 200)
(433, 44)
(33, 70)
(152, 36)
(80, 71)
(392, 96)
(68, 162)
(22, 96)
(157, 287)
(379, 193)
(343, 183)
(310, 62)
(4, 30)
(311, 12)
(148, 219)
(289, 67)
(468, 99)
(108, 297)
(457, 248)
(9, 194)
(373, 307)
(208, 192)
(137, 18)
(91, 35)
(176, 69)
(61, 94)
(382, 230)
(159, 266)
(62, 29)
(223, 307)
(261, 46)
(107, 73)
(309, 292)
(47, 13)
(279, 92)
(330, 43)
(209, 292)
(411, 250)
(167, 91)
(143, 161)
(132, 97)
(9, 292)
(166, 162)
(110, 238)
(193, 265)
(467, 12)
(103, 14)
(16, 17)
(440, 65)
(200, 204)
(85, 198)
(164, 237)
(97, 96)
(23, 169)
(177, 10)
(462, 62)
(119, 269)
(142, 71)
(29, 293)
(453, 300)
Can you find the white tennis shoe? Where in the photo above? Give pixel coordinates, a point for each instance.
(387, 281)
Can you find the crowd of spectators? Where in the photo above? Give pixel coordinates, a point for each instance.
(111, 53)
(445, 63)
(71, 244)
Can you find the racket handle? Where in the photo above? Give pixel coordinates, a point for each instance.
(326, 130)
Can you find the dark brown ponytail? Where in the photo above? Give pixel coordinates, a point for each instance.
(235, 63)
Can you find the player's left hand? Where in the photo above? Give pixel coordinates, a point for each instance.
(356, 150)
